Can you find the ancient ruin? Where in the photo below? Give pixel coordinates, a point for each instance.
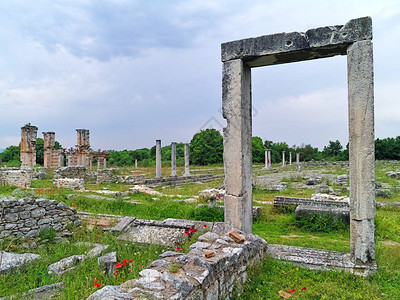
(238, 57)
(82, 148)
(101, 159)
(28, 144)
(52, 156)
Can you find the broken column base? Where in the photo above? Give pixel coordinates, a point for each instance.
(318, 259)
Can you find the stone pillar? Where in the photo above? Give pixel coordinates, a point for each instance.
(283, 159)
(236, 109)
(158, 159)
(98, 163)
(105, 162)
(290, 158)
(297, 158)
(28, 146)
(269, 160)
(136, 163)
(49, 139)
(173, 159)
(187, 171)
(361, 151)
(82, 147)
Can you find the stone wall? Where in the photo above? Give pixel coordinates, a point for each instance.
(25, 218)
(15, 176)
(70, 172)
(214, 267)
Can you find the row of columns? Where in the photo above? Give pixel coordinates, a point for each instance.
(268, 159)
(173, 160)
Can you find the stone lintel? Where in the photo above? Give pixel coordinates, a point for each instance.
(298, 46)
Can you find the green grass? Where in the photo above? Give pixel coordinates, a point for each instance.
(78, 284)
(276, 227)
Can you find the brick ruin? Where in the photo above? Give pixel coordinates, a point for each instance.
(52, 157)
(55, 158)
(28, 143)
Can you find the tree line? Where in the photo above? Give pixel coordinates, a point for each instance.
(206, 147)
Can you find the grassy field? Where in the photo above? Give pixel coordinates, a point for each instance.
(276, 227)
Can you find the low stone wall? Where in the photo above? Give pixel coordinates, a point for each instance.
(284, 201)
(212, 269)
(16, 176)
(25, 218)
(69, 183)
(341, 214)
(105, 175)
(70, 172)
(180, 180)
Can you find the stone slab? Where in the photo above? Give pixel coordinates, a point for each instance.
(289, 47)
(11, 261)
(318, 259)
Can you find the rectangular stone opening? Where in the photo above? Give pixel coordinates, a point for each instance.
(352, 39)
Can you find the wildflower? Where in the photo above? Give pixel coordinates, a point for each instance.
(273, 196)
(116, 277)
(95, 280)
(178, 248)
(141, 266)
(125, 260)
(303, 288)
(96, 285)
(193, 230)
(118, 265)
(187, 232)
(292, 291)
(124, 264)
(205, 225)
(73, 206)
(115, 272)
(219, 197)
(131, 261)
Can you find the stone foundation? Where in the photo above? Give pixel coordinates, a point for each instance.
(69, 183)
(15, 176)
(70, 172)
(25, 218)
(214, 267)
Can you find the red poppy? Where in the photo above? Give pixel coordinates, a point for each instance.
(219, 197)
(178, 248)
(187, 232)
(141, 266)
(125, 260)
(115, 272)
(124, 264)
(205, 225)
(131, 261)
(303, 288)
(118, 265)
(95, 280)
(73, 206)
(96, 285)
(116, 277)
(292, 291)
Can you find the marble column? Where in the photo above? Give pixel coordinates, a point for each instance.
(158, 159)
(187, 171)
(173, 159)
(297, 158)
(290, 158)
(283, 159)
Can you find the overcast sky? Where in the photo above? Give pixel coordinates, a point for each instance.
(135, 71)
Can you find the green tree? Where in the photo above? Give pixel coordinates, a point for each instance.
(333, 150)
(307, 152)
(11, 153)
(39, 151)
(258, 149)
(206, 147)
